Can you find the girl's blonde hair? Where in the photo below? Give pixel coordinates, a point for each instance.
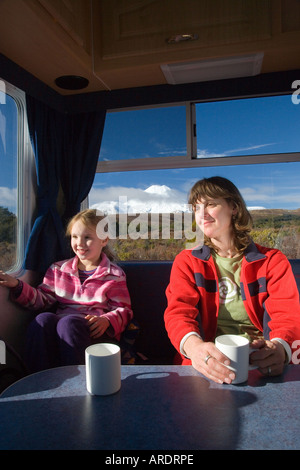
(90, 218)
(219, 187)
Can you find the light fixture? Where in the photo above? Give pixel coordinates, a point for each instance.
(71, 82)
(213, 69)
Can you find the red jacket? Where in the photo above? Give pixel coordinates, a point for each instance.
(268, 288)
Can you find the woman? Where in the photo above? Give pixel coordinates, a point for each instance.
(230, 285)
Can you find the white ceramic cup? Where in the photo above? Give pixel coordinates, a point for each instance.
(103, 368)
(237, 349)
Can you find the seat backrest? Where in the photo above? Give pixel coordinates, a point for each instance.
(295, 263)
(147, 282)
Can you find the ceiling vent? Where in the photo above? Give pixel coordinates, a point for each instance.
(213, 69)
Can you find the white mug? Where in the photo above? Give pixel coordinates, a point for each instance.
(103, 368)
(237, 349)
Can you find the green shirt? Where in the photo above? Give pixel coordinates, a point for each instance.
(232, 318)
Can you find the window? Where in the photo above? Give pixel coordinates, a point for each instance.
(14, 154)
(249, 141)
(161, 132)
(247, 127)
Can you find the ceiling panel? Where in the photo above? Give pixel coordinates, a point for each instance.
(118, 44)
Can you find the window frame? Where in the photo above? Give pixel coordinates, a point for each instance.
(190, 160)
(25, 177)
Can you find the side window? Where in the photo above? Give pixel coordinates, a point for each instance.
(14, 147)
(144, 133)
(149, 215)
(250, 126)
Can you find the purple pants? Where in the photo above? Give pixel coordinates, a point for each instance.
(54, 340)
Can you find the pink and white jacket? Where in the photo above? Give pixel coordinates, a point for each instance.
(104, 293)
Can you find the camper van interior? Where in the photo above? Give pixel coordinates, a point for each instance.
(137, 99)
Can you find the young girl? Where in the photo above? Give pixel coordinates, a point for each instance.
(89, 292)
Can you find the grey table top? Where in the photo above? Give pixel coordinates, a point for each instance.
(158, 407)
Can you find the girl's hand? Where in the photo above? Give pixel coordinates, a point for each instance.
(7, 281)
(269, 357)
(97, 325)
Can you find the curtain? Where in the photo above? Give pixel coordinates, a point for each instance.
(81, 152)
(66, 148)
(47, 241)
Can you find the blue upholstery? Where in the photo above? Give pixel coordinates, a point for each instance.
(295, 263)
(147, 282)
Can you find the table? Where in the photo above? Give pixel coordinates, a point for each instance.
(158, 407)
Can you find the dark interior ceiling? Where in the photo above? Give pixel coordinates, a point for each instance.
(121, 44)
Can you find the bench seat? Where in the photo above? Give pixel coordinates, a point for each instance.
(147, 282)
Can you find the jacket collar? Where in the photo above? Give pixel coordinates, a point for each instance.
(105, 267)
(201, 252)
(252, 253)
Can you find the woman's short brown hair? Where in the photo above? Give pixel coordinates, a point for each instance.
(219, 187)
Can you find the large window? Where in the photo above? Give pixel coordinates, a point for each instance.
(253, 142)
(14, 155)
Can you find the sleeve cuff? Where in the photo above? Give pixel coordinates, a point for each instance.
(181, 346)
(286, 347)
(16, 291)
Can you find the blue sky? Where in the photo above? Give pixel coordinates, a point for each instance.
(8, 152)
(230, 128)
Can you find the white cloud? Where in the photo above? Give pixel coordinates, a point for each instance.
(255, 208)
(155, 198)
(8, 197)
(163, 199)
(203, 153)
(250, 147)
(272, 196)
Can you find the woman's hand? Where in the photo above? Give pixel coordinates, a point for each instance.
(269, 356)
(7, 281)
(98, 325)
(208, 360)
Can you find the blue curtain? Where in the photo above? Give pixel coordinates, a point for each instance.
(66, 149)
(47, 241)
(81, 151)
